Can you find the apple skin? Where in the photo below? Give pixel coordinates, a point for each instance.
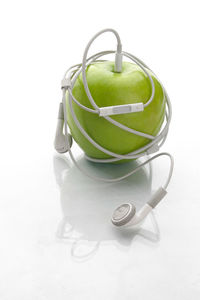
(109, 88)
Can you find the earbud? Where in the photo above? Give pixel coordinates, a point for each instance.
(62, 143)
(126, 215)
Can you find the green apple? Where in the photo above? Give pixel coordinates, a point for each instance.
(109, 88)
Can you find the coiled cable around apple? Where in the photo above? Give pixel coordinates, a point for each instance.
(63, 142)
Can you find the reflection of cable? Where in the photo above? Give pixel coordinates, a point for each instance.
(67, 234)
(62, 232)
(86, 256)
(155, 225)
(77, 243)
(147, 234)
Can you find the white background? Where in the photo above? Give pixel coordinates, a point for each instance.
(42, 195)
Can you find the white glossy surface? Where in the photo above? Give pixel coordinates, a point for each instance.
(56, 239)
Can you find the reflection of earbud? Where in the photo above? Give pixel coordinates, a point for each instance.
(125, 214)
(62, 143)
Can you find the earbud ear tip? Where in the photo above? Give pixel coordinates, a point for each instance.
(123, 214)
(61, 144)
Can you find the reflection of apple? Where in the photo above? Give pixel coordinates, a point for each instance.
(109, 88)
(88, 218)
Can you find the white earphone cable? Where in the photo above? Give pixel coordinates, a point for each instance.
(68, 82)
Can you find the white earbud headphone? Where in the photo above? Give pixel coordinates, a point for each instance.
(124, 215)
(62, 142)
